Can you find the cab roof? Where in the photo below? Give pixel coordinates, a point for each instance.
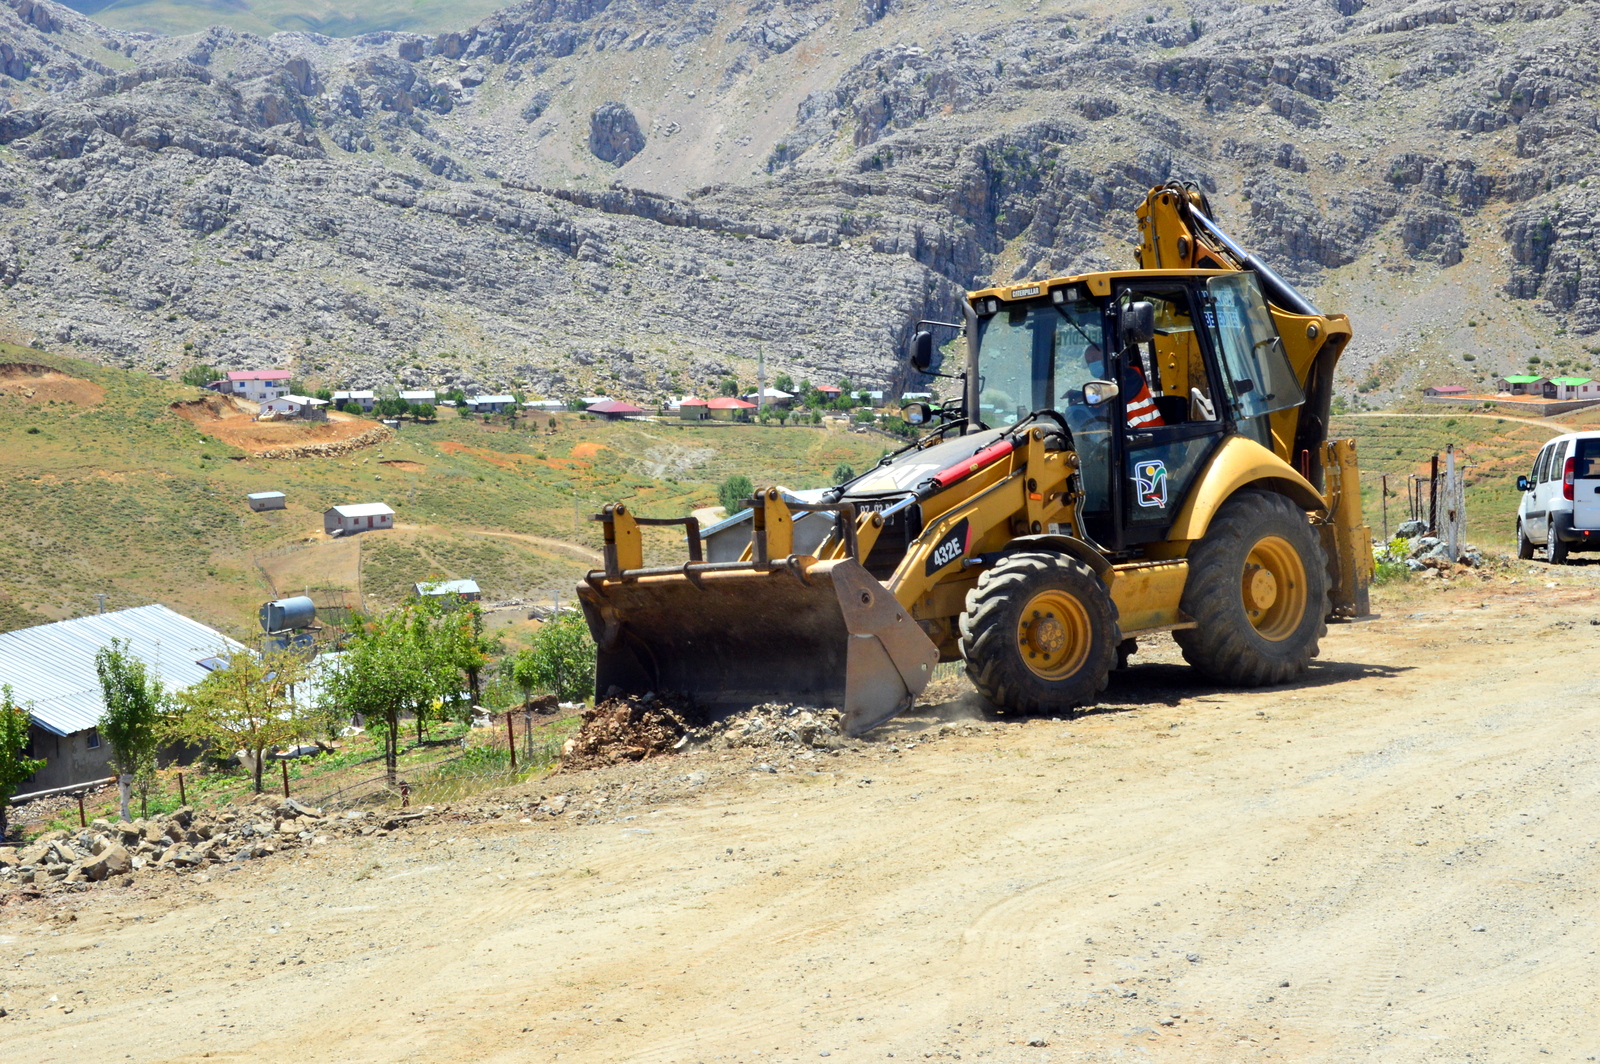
(1099, 284)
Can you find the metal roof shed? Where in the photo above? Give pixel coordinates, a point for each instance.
(267, 500)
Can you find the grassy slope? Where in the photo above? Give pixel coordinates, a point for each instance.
(128, 499)
(336, 18)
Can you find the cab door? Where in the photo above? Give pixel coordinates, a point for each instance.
(1174, 371)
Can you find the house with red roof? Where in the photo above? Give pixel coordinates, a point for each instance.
(693, 408)
(257, 385)
(613, 409)
(728, 408)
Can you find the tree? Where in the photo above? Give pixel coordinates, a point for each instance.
(200, 375)
(325, 394)
(563, 658)
(842, 473)
(459, 627)
(729, 386)
(133, 703)
(522, 669)
(816, 417)
(15, 765)
(245, 705)
(423, 411)
(352, 407)
(391, 666)
(734, 491)
(783, 382)
(455, 395)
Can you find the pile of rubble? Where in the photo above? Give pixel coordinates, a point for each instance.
(1430, 555)
(774, 726)
(181, 841)
(627, 728)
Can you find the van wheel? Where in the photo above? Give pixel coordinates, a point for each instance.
(1524, 544)
(1554, 548)
(1039, 634)
(1258, 592)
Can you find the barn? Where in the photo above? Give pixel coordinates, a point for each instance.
(356, 517)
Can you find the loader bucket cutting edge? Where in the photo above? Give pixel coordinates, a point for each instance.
(740, 638)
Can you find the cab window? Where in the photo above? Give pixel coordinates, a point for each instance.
(1172, 363)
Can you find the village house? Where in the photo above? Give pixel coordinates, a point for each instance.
(1444, 391)
(257, 385)
(357, 517)
(51, 671)
(1520, 384)
(727, 408)
(300, 406)
(693, 408)
(1571, 388)
(773, 397)
(366, 400)
(466, 590)
(490, 404)
(830, 392)
(421, 395)
(267, 500)
(614, 410)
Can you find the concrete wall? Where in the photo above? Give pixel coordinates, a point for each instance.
(69, 759)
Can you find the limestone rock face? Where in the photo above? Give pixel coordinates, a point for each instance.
(614, 135)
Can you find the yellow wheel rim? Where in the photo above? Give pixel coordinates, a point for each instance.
(1273, 588)
(1053, 635)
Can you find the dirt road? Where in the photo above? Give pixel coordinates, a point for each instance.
(1395, 860)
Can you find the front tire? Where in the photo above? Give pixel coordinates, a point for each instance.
(1258, 592)
(1039, 634)
(1524, 544)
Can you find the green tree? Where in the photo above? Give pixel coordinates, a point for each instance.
(325, 394)
(455, 395)
(352, 407)
(816, 417)
(246, 705)
(133, 706)
(728, 386)
(783, 382)
(423, 412)
(563, 658)
(732, 493)
(15, 765)
(393, 664)
(522, 669)
(200, 375)
(842, 473)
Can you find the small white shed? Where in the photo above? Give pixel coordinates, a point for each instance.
(267, 500)
(357, 517)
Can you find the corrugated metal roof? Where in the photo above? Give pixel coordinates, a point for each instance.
(266, 495)
(480, 399)
(448, 587)
(51, 667)
(362, 509)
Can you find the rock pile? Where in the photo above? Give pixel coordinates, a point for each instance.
(330, 448)
(774, 726)
(181, 841)
(626, 729)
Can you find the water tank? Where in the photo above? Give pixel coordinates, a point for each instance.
(286, 614)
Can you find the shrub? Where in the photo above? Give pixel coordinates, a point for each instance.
(732, 493)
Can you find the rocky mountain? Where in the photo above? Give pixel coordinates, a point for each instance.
(634, 196)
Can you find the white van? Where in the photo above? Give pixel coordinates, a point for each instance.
(1560, 508)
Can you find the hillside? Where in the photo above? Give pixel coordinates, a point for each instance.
(336, 18)
(637, 197)
(105, 489)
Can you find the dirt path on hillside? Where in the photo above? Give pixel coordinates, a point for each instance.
(577, 550)
(1394, 860)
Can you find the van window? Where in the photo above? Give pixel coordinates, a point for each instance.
(1558, 460)
(1538, 465)
(1588, 455)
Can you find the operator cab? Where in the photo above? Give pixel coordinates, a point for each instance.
(1150, 375)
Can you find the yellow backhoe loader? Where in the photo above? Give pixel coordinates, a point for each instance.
(1133, 452)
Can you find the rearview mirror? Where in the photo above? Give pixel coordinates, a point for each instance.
(918, 413)
(1138, 322)
(1097, 392)
(921, 350)
(1523, 485)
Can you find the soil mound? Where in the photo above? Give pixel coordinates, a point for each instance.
(627, 729)
(399, 463)
(233, 421)
(41, 384)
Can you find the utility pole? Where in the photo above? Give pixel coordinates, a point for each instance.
(1452, 505)
(761, 381)
(102, 599)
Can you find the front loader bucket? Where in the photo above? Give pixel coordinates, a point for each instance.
(821, 633)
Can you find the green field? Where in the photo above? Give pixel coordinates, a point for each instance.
(123, 497)
(265, 17)
(1492, 450)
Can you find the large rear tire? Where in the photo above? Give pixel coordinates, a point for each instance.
(1553, 546)
(1040, 633)
(1258, 592)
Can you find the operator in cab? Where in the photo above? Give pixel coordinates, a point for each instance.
(1141, 405)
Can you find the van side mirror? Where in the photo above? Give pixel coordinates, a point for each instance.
(921, 350)
(1138, 321)
(1523, 485)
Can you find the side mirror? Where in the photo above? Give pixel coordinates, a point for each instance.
(1138, 322)
(1523, 485)
(919, 413)
(1097, 392)
(921, 350)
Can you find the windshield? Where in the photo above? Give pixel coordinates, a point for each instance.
(1256, 372)
(1037, 357)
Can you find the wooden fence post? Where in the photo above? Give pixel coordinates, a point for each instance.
(285, 765)
(511, 741)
